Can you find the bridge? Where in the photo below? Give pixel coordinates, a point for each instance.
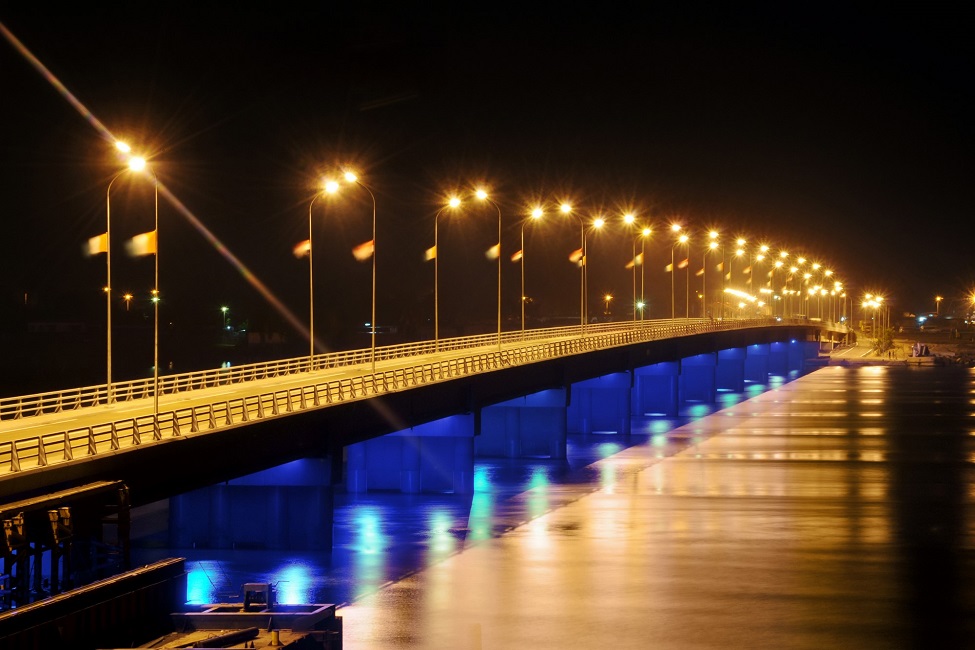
(194, 429)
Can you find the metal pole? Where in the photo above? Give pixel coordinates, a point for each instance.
(311, 289)
(643, 276)
(108, 289)
(522, 280)
(372, 314)
(155, 315)
(673, 274)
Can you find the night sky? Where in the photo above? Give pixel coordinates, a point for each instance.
(839, 133)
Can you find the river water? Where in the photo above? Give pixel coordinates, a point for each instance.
(831, 509)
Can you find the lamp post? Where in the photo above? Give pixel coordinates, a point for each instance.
(224, 311)
(629, 219)
(712, 245)
(352, 178)
(937, 305)
(329, 187)
(566, 209)
(643, 273)
(536, 214)
(104, 244)
(483, 196)
(682, 239)
(452, 203)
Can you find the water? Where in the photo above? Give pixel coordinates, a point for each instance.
(380, 537)
(831, 511)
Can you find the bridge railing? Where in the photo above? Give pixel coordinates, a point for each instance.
(125, 391)
(40, 451)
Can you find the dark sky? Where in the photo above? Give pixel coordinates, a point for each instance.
(841, 133)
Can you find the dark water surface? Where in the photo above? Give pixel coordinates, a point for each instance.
(829, 511)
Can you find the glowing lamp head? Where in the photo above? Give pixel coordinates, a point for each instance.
(598, 222)
(646, 232)
(331, 187)
(629, 218)
(123, 147)
(137, 163)
(565, 208)
(350, 177)
(537, 213)
(453, 202)
(481, 194)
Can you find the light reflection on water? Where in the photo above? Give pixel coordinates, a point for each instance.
(381, 537)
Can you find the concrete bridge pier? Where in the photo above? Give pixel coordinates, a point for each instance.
(800, 352)
(526, 427)
(434, 457)
(698, 378)
(730, 370)
(756, 366)
(601, 405)
(778, 358)
(655, 389)
(285, 507)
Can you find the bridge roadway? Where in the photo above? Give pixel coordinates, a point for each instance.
(46, 439)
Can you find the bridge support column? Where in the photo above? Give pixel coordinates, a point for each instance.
(655, 389)
(730, 371)
(434, 457)
(530, 426)
(285, 507)
(697, 378)
(800, 352)
(778, 358)
(601, 405)
(757, 363)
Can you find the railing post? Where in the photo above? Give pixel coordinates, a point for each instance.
(68, 451)
(14, 457)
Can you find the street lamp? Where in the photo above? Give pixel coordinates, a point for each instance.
(937, 305)
(629, 219)
(643, 273)
(435, 254)
(224, 311)
(566, 208)
(483, 196)
(352, 178)
(682, 239)
(535, 215)
(103, 244)
(128, 299)
(328, 187)
(712, 245)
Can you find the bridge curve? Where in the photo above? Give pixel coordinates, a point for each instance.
(213, 426)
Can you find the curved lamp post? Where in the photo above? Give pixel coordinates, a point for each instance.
(104, 244)
(452, 203)
(682, 239)
(644, 233)
(712, 245)
(597, 223)
(483, 196)
(536, 214)
(352, 178)
(328, 187)
(629, 219)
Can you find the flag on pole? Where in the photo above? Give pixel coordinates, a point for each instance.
(727, 276)
(302, 248)
(719, 266)
(669, 268)
(364, 251)
(747, 270)
(430, 254)
(636, 261)
(142, 244)
(699, 273)
(576, 255)
(517, 255)
(494, 252)
(683, 263)
(97, 244)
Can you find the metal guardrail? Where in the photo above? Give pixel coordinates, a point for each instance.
(76, 398)
(40, 451)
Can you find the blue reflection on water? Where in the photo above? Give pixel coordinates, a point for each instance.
(381, 537)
